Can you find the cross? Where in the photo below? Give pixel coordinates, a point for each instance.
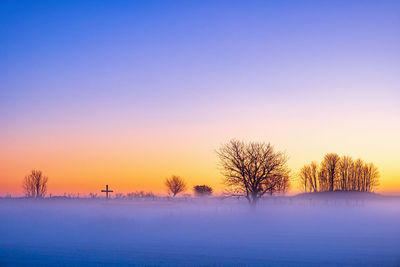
(107, 191)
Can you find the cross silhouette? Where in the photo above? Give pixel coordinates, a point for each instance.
(107, 191)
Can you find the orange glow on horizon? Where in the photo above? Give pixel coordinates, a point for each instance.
(134, 167)
(134, 157)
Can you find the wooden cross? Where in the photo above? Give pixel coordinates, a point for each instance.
(107, 191)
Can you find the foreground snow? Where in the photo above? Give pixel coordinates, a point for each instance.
(281, 231)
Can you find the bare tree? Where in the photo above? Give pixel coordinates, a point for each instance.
(252, 169)
(35, 184)
(282, 186)
(323, 180)
(309, 177)
(314, 176)
(202, 190)
(344, 169)
(370, 177)
(305, 177)
(175, 185)
(140, 194)
(330, 166)
(356, 175)
(339, 173)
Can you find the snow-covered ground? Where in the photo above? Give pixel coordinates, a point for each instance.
(310, 231)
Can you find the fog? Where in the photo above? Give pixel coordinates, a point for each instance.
(320, 229)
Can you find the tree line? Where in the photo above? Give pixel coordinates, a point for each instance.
(254, 169)
(339, 173)
(175, 185)
(35, 186)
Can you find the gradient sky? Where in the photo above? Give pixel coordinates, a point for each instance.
(127, 93)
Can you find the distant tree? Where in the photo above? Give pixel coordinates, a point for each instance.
(357, 171)
(314, 176)
(282, 185)
(370, 177)
(344, 169)
(309, 177)
(253, 169)
(330, 167)
(304, 175)
(323, 180)
(35, 184)
(140, 194)
(202, 190)
(339, 173)
(175, 185)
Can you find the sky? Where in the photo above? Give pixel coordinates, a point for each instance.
(127, 93)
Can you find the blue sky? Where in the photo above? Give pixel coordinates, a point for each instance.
(80, 67)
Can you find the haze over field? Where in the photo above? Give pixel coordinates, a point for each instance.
(309, 230)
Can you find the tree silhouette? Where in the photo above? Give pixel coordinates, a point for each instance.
(330, 166)
(305, 176)
(35, 184)
(175, 185)
(339, 173)
(202, 190)
(370, 177)
(140, 194)
(253, 169)
(344, 173)
(309, 177)
(282, 185)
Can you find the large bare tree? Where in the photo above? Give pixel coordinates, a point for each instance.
(253, 169)
(35, 184)
(175, 185)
